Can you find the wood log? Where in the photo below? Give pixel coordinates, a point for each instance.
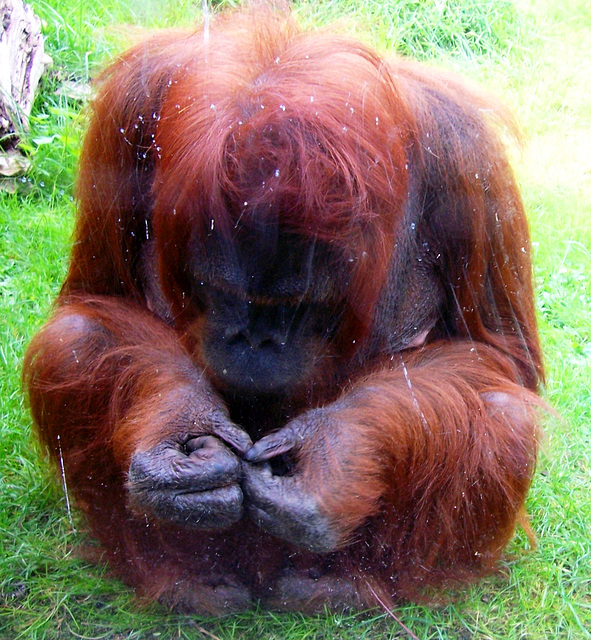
(22, 61)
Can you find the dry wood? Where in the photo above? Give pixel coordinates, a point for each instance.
(22, 61)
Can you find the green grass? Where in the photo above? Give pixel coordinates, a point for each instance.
(536, 54)
(426, 28)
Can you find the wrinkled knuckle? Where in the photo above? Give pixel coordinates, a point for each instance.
(181, 467)
(227, 467)
(140, 470)
(287, 514)
(218, 509)
(259, 488)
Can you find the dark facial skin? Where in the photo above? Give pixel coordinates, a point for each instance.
(270, 310)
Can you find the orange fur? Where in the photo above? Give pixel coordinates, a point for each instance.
(421, 457)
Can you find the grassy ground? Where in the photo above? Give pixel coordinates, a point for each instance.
(537, 56)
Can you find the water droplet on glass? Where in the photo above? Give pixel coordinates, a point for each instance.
(64, 481)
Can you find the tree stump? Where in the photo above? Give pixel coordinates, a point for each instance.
(22, 61)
